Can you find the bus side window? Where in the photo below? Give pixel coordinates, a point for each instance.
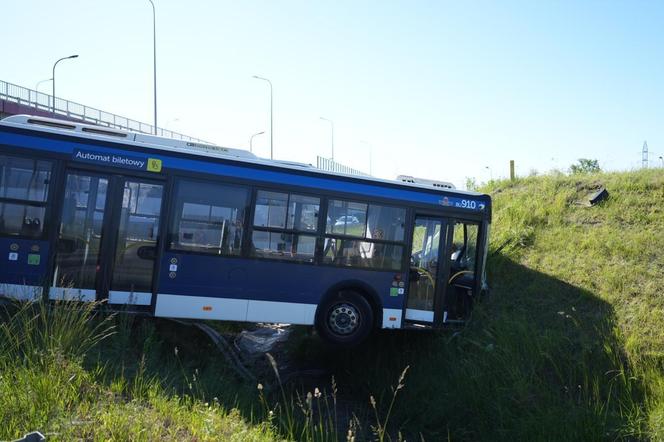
(208, 218)
(24, 185)
(284, 226)
(364, 235)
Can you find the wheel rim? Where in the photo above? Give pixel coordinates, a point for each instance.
(344, 319)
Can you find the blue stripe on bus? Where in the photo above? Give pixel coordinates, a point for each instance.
(263, 280)
(246, 171)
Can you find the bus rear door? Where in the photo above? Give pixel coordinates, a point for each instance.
(107, 239)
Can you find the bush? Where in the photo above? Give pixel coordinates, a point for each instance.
(585, 165)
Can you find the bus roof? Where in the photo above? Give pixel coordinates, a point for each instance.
(93, 132)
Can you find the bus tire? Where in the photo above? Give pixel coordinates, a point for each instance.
(345, 319)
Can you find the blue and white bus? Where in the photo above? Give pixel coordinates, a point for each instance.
(183, 230)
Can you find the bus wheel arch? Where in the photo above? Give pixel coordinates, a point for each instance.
(343, 305)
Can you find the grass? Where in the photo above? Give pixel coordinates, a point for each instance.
(70, 373)
(568, 346)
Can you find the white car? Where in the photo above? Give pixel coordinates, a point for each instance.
(346, 219)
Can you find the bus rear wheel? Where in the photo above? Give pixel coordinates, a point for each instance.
(345, 319)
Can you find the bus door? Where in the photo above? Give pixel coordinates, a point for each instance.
(107, 240)
(428, 271)
(464, 272)
(442, 278)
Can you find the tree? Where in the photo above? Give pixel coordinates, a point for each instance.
(471, 184)
(585, 165)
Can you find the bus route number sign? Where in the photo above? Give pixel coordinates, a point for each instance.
(462, 203)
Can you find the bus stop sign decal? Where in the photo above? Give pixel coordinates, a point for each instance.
(117, 160)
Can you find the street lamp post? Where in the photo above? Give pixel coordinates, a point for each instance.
(53, 76)
(662, 160)
(271, 127)
(332, 129)
(369, 146)
(154, 59)
(490, 172)
(251, 140)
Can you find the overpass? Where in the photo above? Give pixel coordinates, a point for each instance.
(16, 99)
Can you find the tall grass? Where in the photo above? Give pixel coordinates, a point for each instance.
(314, 415)
(61, 373)
(34, 332)
(41, 347)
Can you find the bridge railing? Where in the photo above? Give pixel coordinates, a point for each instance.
(332, 166)
(76, 111)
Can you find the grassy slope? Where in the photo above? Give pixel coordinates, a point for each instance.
(568, 347)
(614, 251)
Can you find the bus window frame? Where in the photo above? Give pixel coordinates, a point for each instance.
(48, 204)
(248, 250)
(173, 206)
(404, 243)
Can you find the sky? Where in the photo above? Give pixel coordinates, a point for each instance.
(435, 89)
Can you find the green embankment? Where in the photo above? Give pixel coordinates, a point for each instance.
(569, 346)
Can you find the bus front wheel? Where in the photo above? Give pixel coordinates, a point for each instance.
(345, 319)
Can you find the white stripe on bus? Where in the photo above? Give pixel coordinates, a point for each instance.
(281, 312)
(21, 292)
(419, 315)
(199, 307)
(72, 294)
(133, 298)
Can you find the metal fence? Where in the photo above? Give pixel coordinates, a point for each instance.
(332, 166)
(76, 111)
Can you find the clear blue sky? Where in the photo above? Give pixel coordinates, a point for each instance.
(439, 89)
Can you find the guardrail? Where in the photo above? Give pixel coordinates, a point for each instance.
(76, 111)
(332, 166)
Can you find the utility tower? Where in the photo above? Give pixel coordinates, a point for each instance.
(644, 155)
